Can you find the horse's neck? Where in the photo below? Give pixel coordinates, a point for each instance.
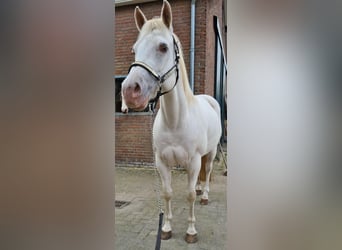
(174, 106)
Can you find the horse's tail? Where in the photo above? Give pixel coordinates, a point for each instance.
(203, 173)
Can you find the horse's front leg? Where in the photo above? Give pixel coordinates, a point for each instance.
(193, 171)
(165, 174)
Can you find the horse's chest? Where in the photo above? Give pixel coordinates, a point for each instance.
(174, 155)
(174, 150)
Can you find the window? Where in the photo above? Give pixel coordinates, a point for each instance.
(118, 99)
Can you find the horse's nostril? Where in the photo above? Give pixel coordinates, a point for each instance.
(137, 88)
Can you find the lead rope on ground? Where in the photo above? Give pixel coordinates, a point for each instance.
(157, 185)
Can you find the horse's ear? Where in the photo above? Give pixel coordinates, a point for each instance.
(166, 14)
(139, 17)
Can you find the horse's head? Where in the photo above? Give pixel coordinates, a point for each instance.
(156, 58)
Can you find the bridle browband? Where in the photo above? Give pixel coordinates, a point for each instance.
(160, 78)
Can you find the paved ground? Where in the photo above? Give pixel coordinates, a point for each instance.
(136, 224)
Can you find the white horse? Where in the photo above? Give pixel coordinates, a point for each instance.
(187, 127)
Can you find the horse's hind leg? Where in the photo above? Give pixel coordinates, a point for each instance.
(201, 175)
(198, 187)
(208, 169)
(165, 174)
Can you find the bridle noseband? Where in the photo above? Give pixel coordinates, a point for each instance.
(160, 78)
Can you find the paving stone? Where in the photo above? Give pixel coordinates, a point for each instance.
(136, 224)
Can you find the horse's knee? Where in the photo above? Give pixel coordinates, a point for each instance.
(167, 194)
(191, 196)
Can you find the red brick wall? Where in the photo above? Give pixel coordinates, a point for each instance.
(126, 32)
(214, 8)
(205, 45)
(133, 143)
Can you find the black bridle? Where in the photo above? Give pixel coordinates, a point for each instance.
(160, 78)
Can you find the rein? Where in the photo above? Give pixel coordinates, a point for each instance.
(160, 78)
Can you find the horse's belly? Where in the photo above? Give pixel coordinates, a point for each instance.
(174, 156)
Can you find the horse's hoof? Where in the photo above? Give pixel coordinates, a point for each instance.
(191, 238)
(204, 202)
(166, 235)
(199, 192)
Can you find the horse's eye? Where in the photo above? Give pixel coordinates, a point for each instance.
(163, 47)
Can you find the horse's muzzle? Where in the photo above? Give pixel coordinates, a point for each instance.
(133, 97)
